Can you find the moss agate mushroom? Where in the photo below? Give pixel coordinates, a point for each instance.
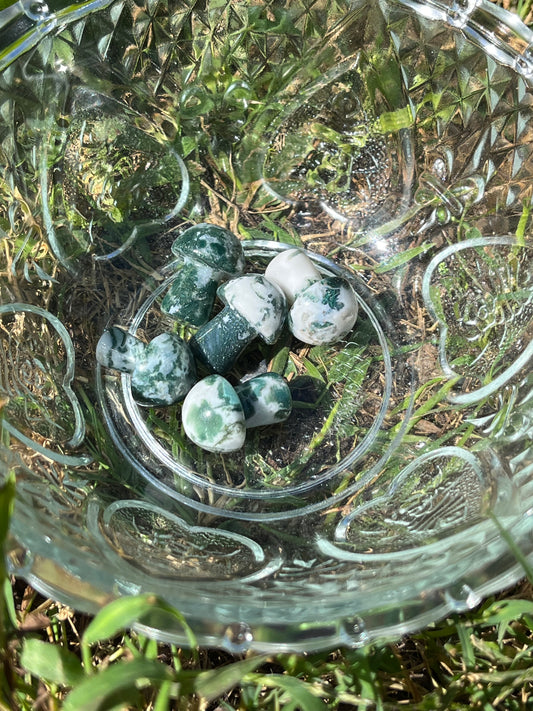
(265, 399)
(215, 415)
(323, 309)
(209, 255)
(324, 312)
(119, 350)
(292, 271)
(166, 372)
(162, 371)
(254, 307)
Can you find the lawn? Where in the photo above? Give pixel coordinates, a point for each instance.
(52, 657)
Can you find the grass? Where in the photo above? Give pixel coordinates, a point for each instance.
(52, 657)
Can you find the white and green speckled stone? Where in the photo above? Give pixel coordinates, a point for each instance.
(254, 308)
(119, 350)
(265, 399)
(292, 271)
(191, 295)
(212, 245)
(166, 371)
(259, 301)
(324, 312)
(209, 254)
(213, 417)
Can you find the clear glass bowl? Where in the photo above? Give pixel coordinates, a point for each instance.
(393, 141)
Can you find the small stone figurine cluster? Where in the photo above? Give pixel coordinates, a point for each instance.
(317, 309)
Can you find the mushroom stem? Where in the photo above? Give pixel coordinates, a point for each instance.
(253, 307)
(191, 295)
(220, 342)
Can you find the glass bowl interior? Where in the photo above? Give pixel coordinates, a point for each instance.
(392, 142)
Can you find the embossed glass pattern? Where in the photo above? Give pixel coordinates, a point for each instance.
(391, 140)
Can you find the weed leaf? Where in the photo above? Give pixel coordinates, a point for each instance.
(503, 612)
(301, 694)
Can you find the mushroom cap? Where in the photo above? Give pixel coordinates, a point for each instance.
(259, 302)
(119, 350)
(292, 270)
(324, 312)
(166, 371)
(213, 417)
(266, 399)
(213, 246)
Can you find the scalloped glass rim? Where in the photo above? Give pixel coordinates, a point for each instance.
(215, 614)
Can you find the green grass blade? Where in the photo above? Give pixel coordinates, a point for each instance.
(52, 663)
(467, 649)
(162, 702)
(302, 695)
(215, 682)
(520, 557)
(7, 498)
(10, 610)
(402, 258)
(94, 692)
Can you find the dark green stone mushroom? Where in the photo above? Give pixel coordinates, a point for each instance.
(254, 307)
(209, 254)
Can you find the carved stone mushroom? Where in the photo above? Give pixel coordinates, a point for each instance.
(254, 307)
(323, 309)
(292, 271)
(209, 254)
(162, 371)
(215, 415)
(265, 399)
(166, 372)
(119, 350)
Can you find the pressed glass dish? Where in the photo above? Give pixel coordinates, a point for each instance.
(393, 142)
